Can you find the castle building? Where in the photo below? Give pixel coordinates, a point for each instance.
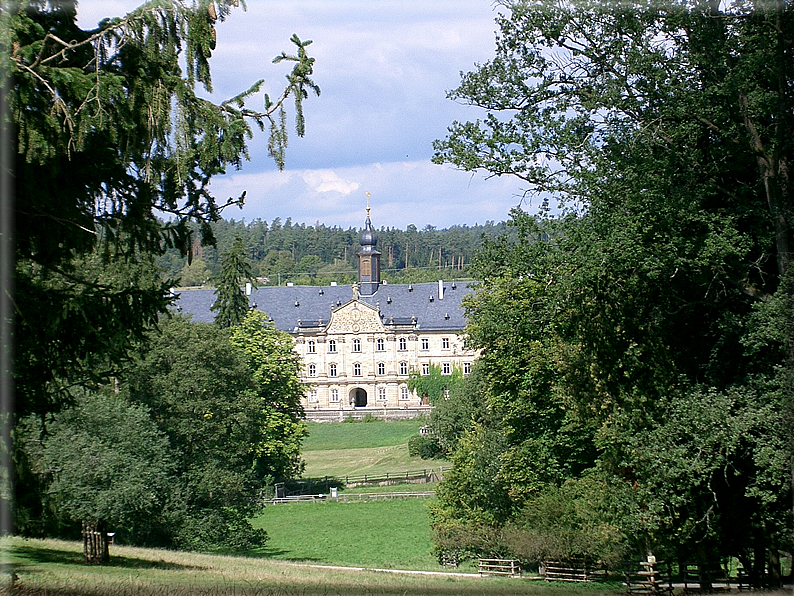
(360, 342)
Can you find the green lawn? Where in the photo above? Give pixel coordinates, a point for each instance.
(55, 568)
(386, 534)
(360, 435)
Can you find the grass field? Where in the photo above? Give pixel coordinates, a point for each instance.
(360, 435)
(392, 534)
(55, 568)
(340, 449)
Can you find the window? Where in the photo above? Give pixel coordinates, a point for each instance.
(404, 392)
(446, 369)
(313, 396)
(446, 392)
(403, 368)
(332, 345)
(379, 345)
(356, 370)
(332, 370)
(466, 368)
(425, 343)
(381, 368)
(403, 344)
(445, 343)
(310, 347)
(425, 369)
(312, 370)
(334, 395)
(356, 345)
(381, 393)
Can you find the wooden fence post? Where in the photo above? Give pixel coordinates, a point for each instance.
(95, 543)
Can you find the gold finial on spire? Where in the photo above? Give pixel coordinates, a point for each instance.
(367, 193)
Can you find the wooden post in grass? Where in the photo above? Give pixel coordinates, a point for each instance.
(95, 543)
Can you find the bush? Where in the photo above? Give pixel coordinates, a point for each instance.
(426, 447)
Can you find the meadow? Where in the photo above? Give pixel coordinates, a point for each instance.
(344, 448)
(315, 549)
(392, 534)
(56, 568)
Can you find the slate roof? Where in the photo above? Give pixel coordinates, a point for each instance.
(294, 307)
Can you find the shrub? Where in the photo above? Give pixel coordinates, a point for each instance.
(426, 447)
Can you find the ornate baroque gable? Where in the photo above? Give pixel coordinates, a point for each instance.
(355, 317)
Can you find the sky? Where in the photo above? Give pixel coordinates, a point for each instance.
(384, 69)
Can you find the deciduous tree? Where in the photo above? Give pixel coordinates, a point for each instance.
(668, 146)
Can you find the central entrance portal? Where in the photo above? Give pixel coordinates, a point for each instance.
(358, 398)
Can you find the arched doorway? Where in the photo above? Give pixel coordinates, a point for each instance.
(358, 397)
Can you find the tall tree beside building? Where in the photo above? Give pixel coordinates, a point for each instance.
(665, 132)
(231, 302)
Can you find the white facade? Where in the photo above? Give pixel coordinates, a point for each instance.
(357, 361)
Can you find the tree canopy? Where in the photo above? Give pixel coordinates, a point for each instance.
(645, 322)
(113, 151)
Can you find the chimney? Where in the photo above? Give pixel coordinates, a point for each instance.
(440, 289)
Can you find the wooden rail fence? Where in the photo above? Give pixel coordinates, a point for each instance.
(499, 567)
(343, 498)
(572, 571)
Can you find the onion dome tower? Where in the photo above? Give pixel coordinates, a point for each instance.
(368, 259)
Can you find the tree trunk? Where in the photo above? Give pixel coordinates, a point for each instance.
(95, 543)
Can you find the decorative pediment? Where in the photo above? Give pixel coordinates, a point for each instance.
(355, 317)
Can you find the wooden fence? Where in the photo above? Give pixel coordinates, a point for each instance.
(571, 571)
(499, 567)
(411, 476)
(343, 498)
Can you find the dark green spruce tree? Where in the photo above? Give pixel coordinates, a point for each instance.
(113, 150)
(231, 303)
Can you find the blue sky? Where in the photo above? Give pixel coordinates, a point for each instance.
(384, 68)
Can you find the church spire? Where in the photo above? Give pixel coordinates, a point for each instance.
(368, 258)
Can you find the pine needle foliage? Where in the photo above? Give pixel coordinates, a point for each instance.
(231, 303)
(113, 152)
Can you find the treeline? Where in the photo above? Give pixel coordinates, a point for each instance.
(318, 254)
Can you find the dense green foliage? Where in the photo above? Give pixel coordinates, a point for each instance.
(425, 446)
(435, 385)
(637, 351)
(112, 151)
(180, 456)
(319, 254)
(102, 461)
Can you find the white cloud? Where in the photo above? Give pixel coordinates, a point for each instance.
(322, 181)
(402, 193)
(384, 69)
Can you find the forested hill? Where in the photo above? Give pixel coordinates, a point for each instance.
(318, 254)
